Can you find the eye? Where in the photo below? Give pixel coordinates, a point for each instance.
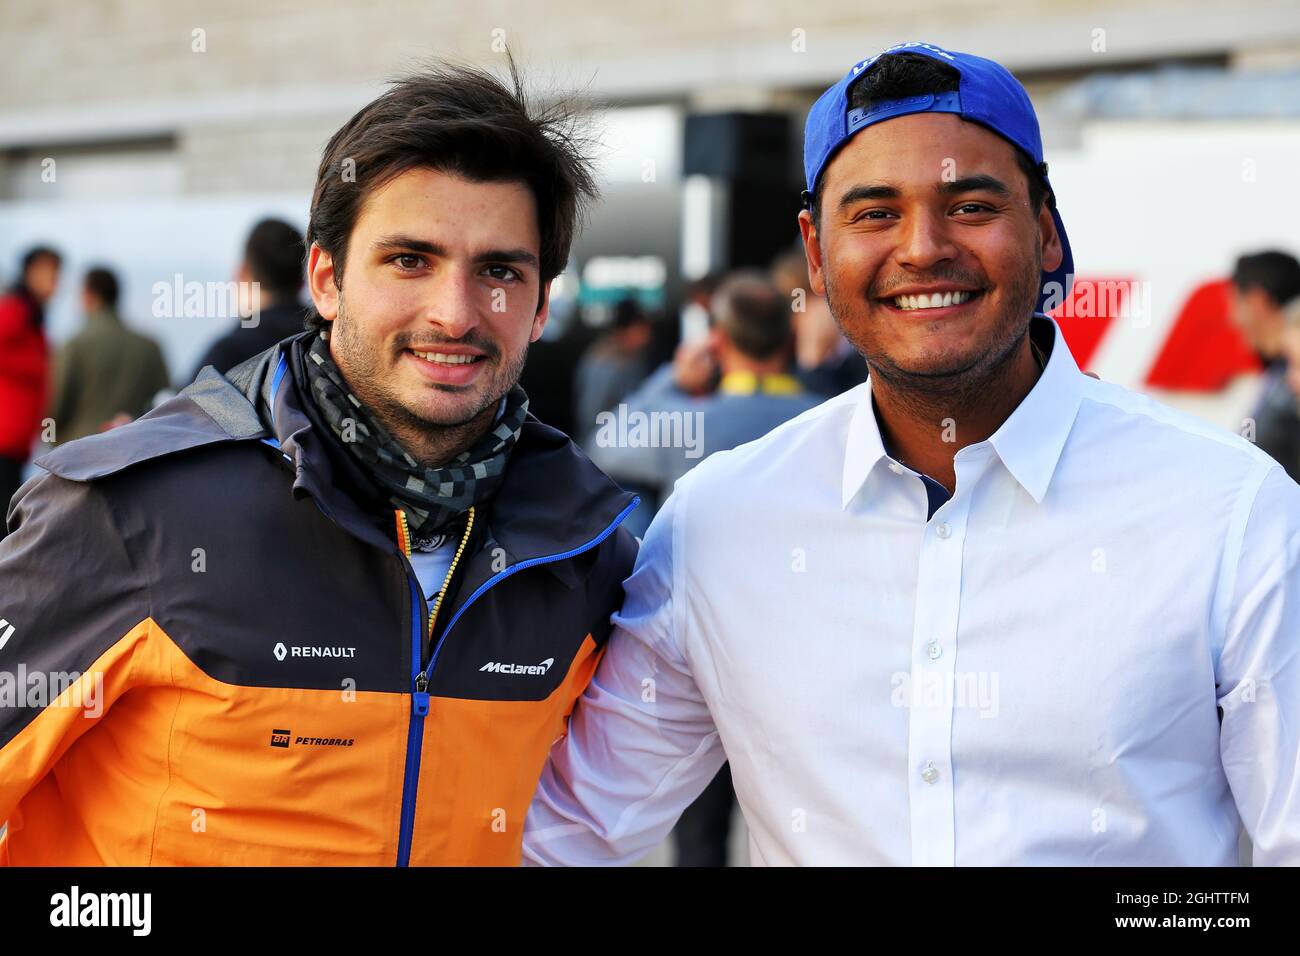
(503, 274)
(977, 207)
(407, 261)
(872, 215)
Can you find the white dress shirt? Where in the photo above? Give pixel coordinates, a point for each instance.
(1089, 655)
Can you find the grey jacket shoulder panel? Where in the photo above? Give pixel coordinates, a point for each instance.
(210, 410)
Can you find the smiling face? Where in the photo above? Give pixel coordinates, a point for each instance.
(921, 206)
(439, 300)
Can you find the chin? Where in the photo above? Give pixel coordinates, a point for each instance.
(935, 361)
(460, 410)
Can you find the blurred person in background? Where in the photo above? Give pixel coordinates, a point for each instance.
(1291, 354)
(826, 361)
(696, 312)
(613, 365)
(550, 375)
(749, 345)
(24, 365)
(272, 271)
(738, 377)
(1264, 283)
(107, 374)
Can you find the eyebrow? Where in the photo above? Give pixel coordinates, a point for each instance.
(967, 184)
(514, 256)
(982, 183)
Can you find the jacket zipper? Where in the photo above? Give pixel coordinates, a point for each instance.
(522, 565)
(421, 677)
(419, 680)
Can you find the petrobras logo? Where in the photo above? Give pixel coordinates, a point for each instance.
(493, 667)
(282, 737)
(305, 650)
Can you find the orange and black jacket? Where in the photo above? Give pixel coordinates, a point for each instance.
(211, 654)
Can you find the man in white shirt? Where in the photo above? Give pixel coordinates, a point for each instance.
(980, 610)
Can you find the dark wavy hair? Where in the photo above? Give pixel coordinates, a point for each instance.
(462, 120)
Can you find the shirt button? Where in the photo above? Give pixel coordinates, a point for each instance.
(895, 467)
(930, 774)
(942, 529)
(933, 650)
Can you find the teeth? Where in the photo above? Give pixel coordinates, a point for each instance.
(935, 300)
(442, 358)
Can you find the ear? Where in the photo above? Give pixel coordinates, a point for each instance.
(717, 340)
(320, 282)
(813, 250)
(543, 313)
(1051, 240)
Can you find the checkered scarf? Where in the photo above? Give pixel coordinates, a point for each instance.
(432, 498)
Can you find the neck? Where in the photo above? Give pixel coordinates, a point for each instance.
(434, 446)
(926, 421)
(730, 361)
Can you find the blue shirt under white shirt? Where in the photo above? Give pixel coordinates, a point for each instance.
(1089, 655)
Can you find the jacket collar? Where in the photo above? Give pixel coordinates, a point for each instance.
(1029, 443)
(552, 499)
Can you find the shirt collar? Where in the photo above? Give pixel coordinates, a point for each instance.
(1029, 443)
(748, 383)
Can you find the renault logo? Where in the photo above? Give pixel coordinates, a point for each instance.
(280, 651)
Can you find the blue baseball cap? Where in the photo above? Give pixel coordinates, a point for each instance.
(987, 94)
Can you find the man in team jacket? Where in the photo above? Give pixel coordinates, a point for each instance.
(335, 606)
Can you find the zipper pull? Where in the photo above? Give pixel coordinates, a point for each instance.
(421, 698)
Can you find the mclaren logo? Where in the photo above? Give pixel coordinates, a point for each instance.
(304, 650)
(494, 667)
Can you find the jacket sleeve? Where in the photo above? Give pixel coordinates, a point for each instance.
(1258, 674)
(641, 744)
(73, 617)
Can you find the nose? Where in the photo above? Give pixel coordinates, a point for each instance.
(452, 307)
(925, 242)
